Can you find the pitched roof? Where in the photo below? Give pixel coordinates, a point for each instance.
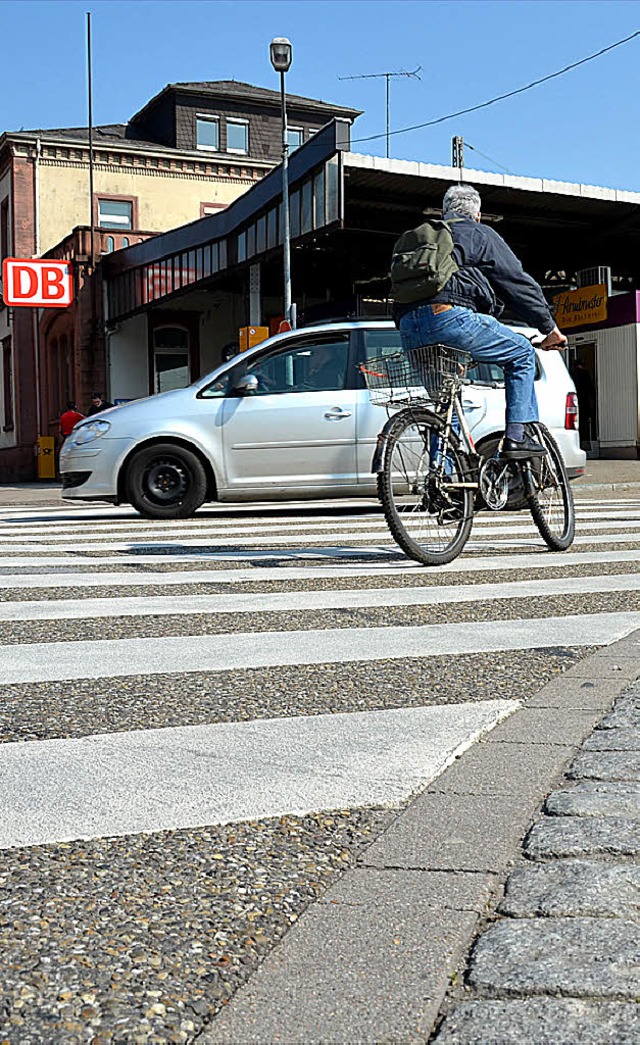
(238, 90)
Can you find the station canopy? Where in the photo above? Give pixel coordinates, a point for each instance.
(346, 209)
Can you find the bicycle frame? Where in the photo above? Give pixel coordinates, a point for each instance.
(455, 409)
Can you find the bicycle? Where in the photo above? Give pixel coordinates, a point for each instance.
(429, 474)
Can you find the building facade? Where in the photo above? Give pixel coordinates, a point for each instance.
(189, 152)
(346, 212)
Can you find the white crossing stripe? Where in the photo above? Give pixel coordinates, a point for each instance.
(192, 776)
(227, 537)
(253, 554)
(289, 602)
(118, 658)
(542, 560)
(195, 528)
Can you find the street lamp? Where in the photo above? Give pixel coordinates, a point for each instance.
(280, 52)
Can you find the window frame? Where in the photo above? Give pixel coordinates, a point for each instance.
(233, 121)
(109, 197)
(202, 117)
(298, 130)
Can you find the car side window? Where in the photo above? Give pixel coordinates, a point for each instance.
(381, 343)
(311, 365)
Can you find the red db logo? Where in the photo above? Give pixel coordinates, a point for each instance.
(40, 284)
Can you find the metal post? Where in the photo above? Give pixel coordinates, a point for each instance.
(388, 77)
(90, 113)
(286, 233)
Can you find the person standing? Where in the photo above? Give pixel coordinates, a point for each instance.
(98, 404)
(69, 419)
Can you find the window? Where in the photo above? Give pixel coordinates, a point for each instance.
(208, 133)
(125, 241)
(384, 342)
(295, 137)
(115, 214)
(7, 385)
(318, 365)
(237, 136)
(109, 244)
(4, 229)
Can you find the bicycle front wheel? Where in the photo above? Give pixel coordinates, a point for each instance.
(549, 494)
(428, 512)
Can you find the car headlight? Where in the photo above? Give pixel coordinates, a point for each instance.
(87, 433)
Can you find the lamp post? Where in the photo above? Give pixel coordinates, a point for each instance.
(280, 52)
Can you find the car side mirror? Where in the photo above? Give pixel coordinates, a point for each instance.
(246, 385)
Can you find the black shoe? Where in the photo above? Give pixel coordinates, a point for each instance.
(520, 450)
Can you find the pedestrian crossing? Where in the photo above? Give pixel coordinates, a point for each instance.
(312, 597)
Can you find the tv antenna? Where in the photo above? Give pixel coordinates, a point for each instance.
(414, 75)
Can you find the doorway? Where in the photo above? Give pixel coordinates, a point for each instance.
(171, 358)
(583, 369)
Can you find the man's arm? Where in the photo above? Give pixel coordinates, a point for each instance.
(516, 287)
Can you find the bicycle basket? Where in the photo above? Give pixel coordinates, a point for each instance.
(431, 372)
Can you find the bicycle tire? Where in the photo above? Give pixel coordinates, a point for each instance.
(419, 504)
(549, 495)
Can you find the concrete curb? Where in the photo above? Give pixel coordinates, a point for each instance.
(375, 957)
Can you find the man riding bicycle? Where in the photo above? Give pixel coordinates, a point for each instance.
(462, 314)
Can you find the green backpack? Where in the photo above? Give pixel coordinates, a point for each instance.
(422, 262)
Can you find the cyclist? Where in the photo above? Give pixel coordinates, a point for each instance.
(462, 314)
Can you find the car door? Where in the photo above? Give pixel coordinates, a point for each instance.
(296, 432)
(377, 342)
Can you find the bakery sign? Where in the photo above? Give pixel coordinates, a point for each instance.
(582, 307)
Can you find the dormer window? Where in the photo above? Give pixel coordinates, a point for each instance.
(238, 136)
(208, 132)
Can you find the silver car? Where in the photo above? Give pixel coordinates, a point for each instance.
(288, 419)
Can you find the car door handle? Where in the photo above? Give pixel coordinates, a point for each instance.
(337, 414)
(468, 405)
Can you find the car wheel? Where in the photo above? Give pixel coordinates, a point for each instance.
(517, 499)
(166, 482)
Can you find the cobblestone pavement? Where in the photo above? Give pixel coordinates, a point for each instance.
(560, 961)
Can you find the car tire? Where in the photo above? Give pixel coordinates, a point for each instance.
(165, 481)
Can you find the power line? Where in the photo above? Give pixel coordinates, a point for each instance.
(509, 94)
(490, 158)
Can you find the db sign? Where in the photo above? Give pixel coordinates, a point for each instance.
(40, 284)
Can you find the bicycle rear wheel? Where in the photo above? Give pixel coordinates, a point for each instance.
(549, 494)
(429, 516)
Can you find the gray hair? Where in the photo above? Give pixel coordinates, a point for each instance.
(463, 200)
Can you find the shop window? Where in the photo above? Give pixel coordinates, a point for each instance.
(238, 136)
(208, 133)
(115, 214)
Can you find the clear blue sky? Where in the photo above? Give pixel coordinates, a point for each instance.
(580, 127)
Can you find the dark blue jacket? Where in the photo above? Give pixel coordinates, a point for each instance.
(488, 273)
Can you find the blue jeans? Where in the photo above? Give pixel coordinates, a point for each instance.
(487, 341)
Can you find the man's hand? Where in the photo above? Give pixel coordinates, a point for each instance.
(554, 339)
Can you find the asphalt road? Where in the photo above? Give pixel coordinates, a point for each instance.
(204, 723)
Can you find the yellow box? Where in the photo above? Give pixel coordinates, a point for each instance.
(46, 457)
(250, 336)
